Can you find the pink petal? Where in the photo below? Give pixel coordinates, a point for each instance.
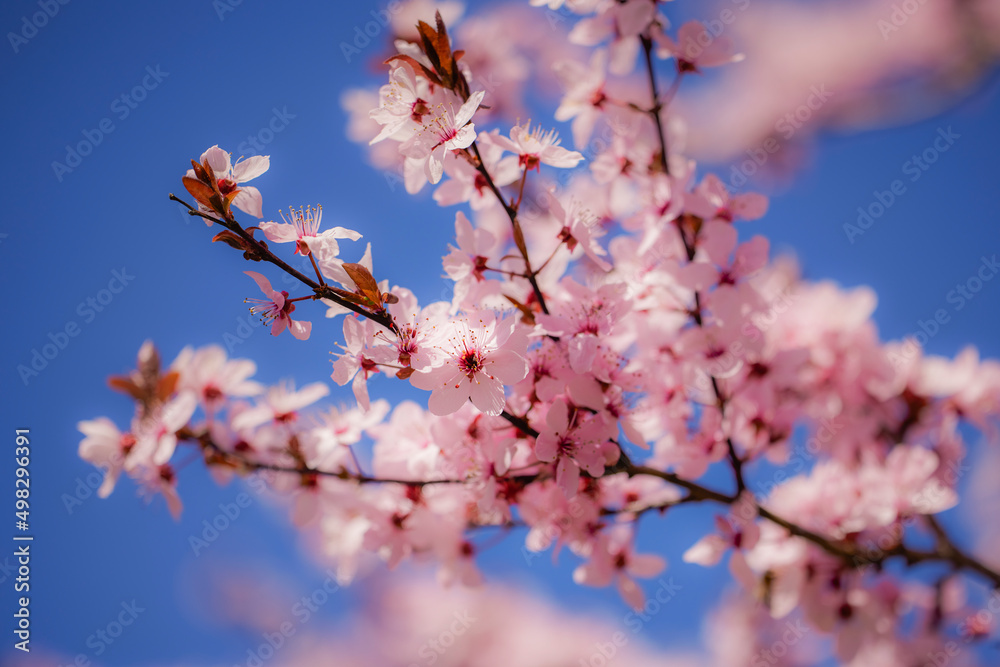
(468, 109)
(263, 283)
(557, 156)
(448, 399)
(249, 201)
(507, 366)
(252, 167)
(750, 206)
(218, 160)
(360, 387)
(631, 593)
(546, 447)
(487, 395)
(279, 232)
(300, 329)
(558, 417)
(707, 551)
(568, 476)
(645, 565)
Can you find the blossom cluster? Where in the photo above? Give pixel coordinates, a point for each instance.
(611, 338)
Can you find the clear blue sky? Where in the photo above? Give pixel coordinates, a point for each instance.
(209, 81)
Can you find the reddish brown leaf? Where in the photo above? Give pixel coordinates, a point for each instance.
(519, 239)
(404, 373)
(362, 277)
(231, 239)
(201, 192)
(418, 66)
(167, 385)
(126, 386)
(351, 296)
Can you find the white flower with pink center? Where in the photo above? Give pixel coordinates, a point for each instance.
(302, 228)
(535, 147)
(231, 177)
(444, 129)
(480, 355)
(403, 102)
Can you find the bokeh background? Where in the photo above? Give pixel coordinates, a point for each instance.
(223, 72)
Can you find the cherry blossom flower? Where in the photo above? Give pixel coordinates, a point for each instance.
(475, 246)
(105, 447)
(355, 362)
(579, 228)
(480, 355)
(232, 176)
(571, 446)
(302, 228)
(156, 434)
(747, 206)
(585, 97)
(278, 308)
(613, 559)
(443, 129)
(280, 405)
(695, 48)
(622, 22)
(212, 377)
(403, 102)
(535, 147)
(162, 479)
(467, 184)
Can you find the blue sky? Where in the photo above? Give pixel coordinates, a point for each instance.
(104, 230)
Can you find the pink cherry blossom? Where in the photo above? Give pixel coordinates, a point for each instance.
(613, 559)
(278, 308)
(105, 447)
(572, 446)
(214, 378)
(281, 405)
(480, 354)
(695, 47)
(585, 96)
(232, 176)
(443, 129)
(302, 228)
(535, 147)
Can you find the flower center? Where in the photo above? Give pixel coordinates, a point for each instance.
(227, 186)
